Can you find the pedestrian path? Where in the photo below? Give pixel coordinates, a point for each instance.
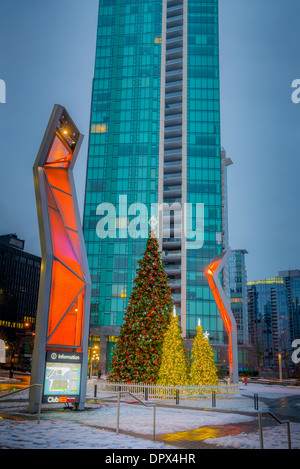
(190, 440)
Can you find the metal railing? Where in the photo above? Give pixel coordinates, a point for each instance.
(260, 413)
(24, 389)
(164, 392)
(141, 402)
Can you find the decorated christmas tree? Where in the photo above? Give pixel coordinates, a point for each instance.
(203, 368)
(174, 368)
(137, 355)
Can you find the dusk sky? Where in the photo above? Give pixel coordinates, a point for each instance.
(47, 52)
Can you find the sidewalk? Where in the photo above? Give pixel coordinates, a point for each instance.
(188, 425)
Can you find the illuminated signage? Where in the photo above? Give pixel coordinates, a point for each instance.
(62, 377)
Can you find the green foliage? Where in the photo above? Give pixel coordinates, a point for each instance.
(137, 356)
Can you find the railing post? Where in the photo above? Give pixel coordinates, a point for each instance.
(40, 403)
(260, 431)
(118, 413)
(213, 397)
(289, 434)
(154, 422)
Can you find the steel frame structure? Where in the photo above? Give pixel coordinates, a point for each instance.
(212, 274)
(65, 285)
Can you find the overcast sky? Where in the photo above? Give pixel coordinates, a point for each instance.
(47, 53)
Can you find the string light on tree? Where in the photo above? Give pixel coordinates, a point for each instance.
(203, 368)
(174, 367)
(137, 355)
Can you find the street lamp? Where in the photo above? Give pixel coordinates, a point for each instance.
(280, 367)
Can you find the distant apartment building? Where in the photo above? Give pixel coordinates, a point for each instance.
(238, 292)
(291, 280)
(19, 286)
(269, 321)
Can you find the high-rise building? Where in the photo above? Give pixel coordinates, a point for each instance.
(238, 292)
(291, 280)
(268, 313)
(155, 139)
(19, 289)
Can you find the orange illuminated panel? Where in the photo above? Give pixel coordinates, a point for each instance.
(212, 268)
(65, 321)
(76, 245)
(219, 302)
(66, 309)
(62, 246)
(65, 205)
(59, 178)
(59, 155)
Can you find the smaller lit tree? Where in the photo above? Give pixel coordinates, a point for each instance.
(203, 369)
(174, 368)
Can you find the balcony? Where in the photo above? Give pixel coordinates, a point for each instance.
(173, 181)
(174, 54)
(171, 194)
(173, 3)
(174, 33)
(173, 119)
(172, 175)
(175, 10)
(173, 98)
(171, 245)
(174, 21)
(173, 75)
(172, 166)
(173, 43)
(174, 65)
(173, 110)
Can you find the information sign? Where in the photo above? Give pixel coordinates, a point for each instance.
(62, 377)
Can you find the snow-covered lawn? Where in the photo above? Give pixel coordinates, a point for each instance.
(54, 434)
(68, 429)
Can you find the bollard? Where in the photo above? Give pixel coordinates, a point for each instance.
(213, 398)
(261, 439)
(177, 396)
(95, 390)
(256, 401)
(146, 394)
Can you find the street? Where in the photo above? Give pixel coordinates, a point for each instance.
(21, 380)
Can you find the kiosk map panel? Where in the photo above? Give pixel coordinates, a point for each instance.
(62, 377)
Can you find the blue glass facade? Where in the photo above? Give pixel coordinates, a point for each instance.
(123, 146)
(203, 158)
(238, 293)
(268, 311)
(155, 137)
(292, 284)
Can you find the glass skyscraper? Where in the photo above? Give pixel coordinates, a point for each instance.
(154, 139)
(268, 312)
(238, 292)
(292, 284)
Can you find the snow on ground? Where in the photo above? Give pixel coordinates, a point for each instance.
(65, 428)
(51, 434)
(134, 418)
(273, 438)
